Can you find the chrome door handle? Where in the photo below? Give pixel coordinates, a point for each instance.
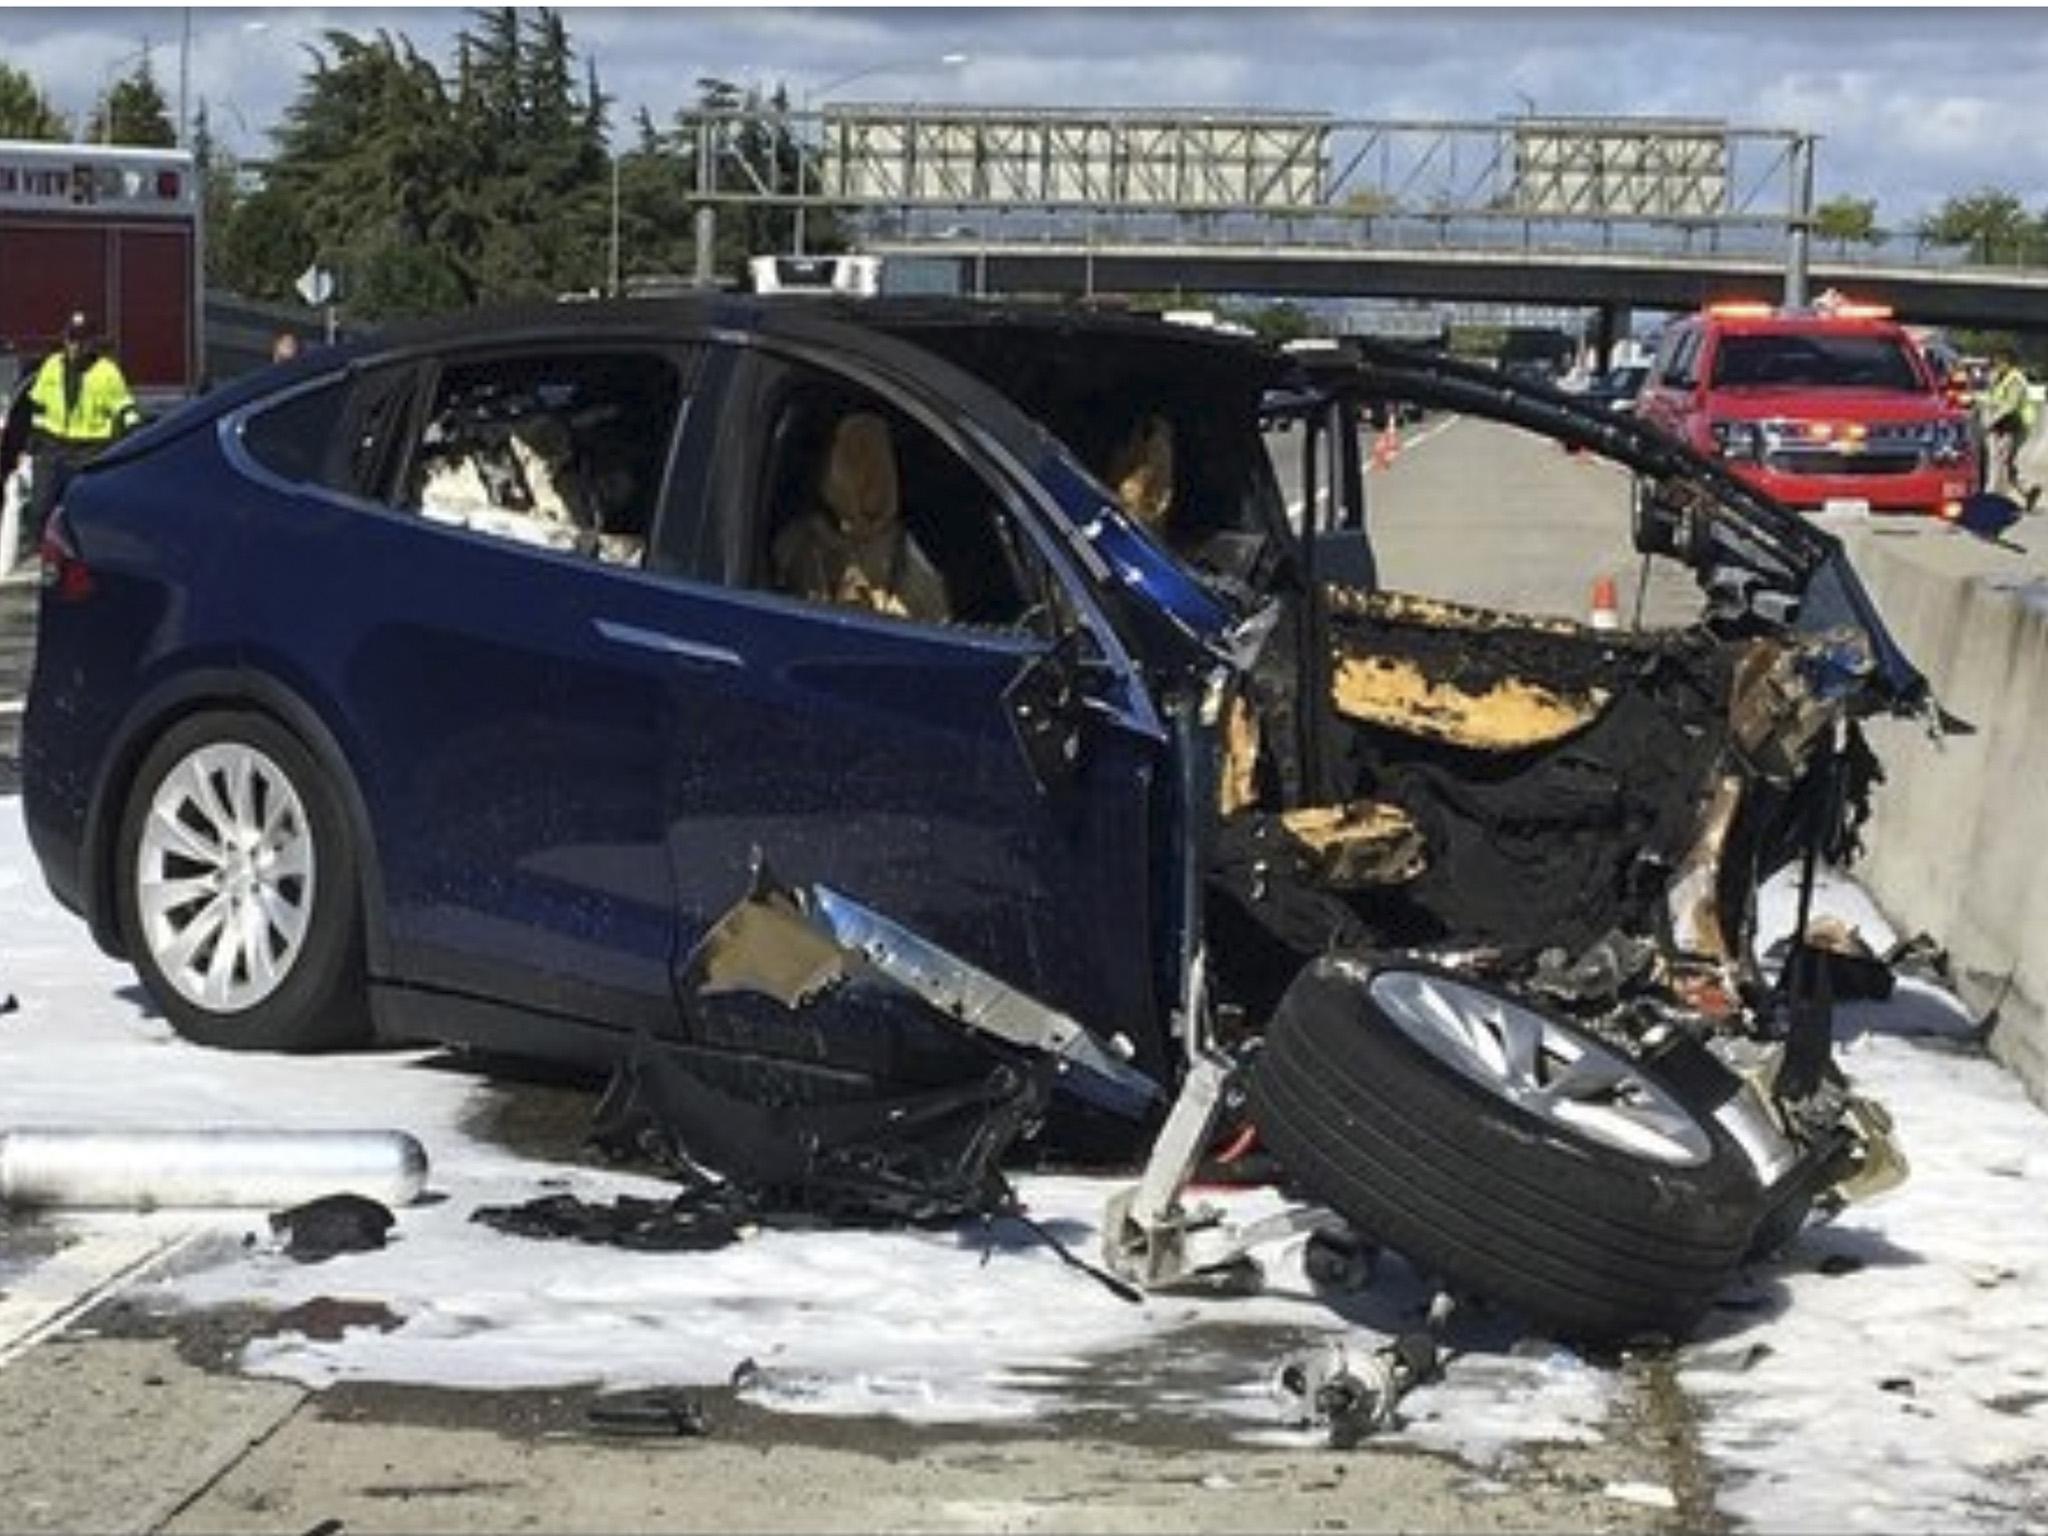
(669, 645)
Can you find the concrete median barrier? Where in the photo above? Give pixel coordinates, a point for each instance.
(1958, 837)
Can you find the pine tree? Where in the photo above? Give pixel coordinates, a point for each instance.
(25, 112)
(133, 111)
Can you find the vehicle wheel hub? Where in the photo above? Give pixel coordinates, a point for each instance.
(1542, 1066)
(225, 877)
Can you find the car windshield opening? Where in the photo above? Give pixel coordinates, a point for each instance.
(1827, 362)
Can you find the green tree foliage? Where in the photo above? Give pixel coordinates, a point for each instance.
(492, 177)
(532, 215)
(1846, 219)
(1992, 223)
(133, 111)
(263, 247)
(25, 112)
(370, 157)
(426, 190)
(1278, 323)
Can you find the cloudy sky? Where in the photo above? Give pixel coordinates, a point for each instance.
(1913, 104)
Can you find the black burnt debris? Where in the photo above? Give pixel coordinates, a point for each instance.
(333, 1224)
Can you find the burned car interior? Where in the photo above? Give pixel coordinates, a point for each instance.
(1463, 898)
(552, 450)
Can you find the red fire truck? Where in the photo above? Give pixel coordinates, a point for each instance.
(113, 232)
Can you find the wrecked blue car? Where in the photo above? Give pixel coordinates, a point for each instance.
(844, 707)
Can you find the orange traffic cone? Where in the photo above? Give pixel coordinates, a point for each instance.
(1606, 612)
(1387, 448)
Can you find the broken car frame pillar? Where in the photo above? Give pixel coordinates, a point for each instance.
(1149, 1237)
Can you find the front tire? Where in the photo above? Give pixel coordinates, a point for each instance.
(236, 889)
(1504, 1149)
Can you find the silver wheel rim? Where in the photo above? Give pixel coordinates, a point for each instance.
(224, 877)
(1541, 1066)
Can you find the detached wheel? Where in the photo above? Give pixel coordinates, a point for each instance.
(236, 889)
(1503, 1148)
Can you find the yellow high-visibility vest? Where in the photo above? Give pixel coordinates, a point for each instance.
(102, 409)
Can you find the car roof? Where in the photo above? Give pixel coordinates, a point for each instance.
(794, 317)
(884, 331)
(1805, 325)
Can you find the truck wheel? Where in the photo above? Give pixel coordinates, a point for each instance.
(1503, 1148)
(236, 889)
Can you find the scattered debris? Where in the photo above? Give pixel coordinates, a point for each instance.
(1324, 1388)
(649, 1413)
(913, 1158)
(1855, 972)
(1651, 1495)
(697, 1221)
(1339, 1260)
(1988, 1276)
(758, 1381)
(1733, 1361)
(1922, 959)
(331, 1225)
(1599, 973)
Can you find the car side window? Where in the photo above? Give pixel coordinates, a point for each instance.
(857, 504)
(1683, 372)
(566, 450)
(293, 439)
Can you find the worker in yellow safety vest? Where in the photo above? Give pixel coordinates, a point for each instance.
(2010, 413)
(78, 403)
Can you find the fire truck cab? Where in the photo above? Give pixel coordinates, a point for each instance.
(113, 232)
(1832, 408)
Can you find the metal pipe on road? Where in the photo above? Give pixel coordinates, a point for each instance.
(70, 1169)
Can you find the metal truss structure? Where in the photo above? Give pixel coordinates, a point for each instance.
(1183, 171)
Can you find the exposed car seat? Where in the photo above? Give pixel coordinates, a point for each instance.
(854, 549)
(520, 482)
(1141, 473)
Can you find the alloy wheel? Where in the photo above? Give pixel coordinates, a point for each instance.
(1542, 1066)
(225, 877)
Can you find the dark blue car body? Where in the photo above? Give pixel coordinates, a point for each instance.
(557, 772)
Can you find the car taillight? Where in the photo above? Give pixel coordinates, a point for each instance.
(1737, 439)
(65, 575)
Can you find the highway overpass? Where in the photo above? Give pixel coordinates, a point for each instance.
(1983, 297)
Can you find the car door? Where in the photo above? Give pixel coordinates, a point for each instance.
(510, 747)
(1673, 403)
(881, 755)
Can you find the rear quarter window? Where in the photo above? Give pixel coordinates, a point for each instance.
(294, 438)
(341, 436)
